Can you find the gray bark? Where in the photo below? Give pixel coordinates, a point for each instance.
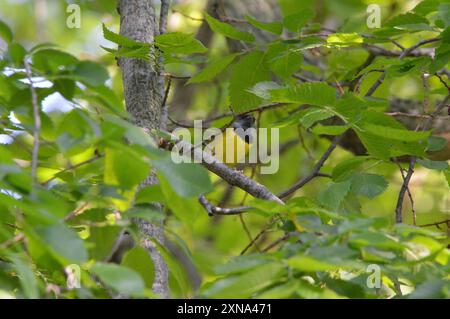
(144, 91)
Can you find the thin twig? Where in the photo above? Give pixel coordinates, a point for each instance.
(187, 16)
(72, 167)
(278, 241)
(403, 189)
(215, 210)
(18, 238)
(447, 222)
(316, 170)
(164, 12)
(376, 85)
(411, 199)
(408, 51)
(441, 79)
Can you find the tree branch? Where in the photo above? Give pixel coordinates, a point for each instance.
(407, 178)
(316, 170)
(231, 176)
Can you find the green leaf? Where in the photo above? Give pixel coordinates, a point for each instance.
(53, 61)
(142, 52)
(251, 69)
(409, 21)
(436, 165)
(344, 39)
(65, 87)
(240, 264)
(64, 242)
(148, 194)
(286, 62)
(317, 93)
(101, 240)
(294, 22)
(120, 39)
(369, 185)
(5, 32)
(436, 143)
(334, 194)
(91, 73)
(333, 130)
(246, 284)
(187, 179)
(283, 291)
(310, 264)
(16, 53)
(426, 6)
(213, 69)
(177, 42)
(27, 278)
(385, 148)
(432, 289)
(228, 30)
(342, 170)
(396, 134)
(272, 27)
(118, 163)
(140, 261)
(122, 279)
(294, 6)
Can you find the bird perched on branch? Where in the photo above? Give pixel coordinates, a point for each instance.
(233, 144)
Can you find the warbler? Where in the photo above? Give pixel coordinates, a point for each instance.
(232, 145)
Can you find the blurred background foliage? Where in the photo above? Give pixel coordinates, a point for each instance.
(209, 241)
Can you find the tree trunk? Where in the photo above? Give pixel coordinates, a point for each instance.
(144, 91)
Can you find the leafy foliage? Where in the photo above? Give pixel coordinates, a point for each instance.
(310, 82)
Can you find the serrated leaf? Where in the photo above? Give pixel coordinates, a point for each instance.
(287, 63)
(120, 39)
(333, 130)
(342, 169)
(228, 30)
(317, 93)
(251, 69)
(177, 42)
(409, 21)
(334, 194)
(213, 69)
(369, 185)
(396, 134)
